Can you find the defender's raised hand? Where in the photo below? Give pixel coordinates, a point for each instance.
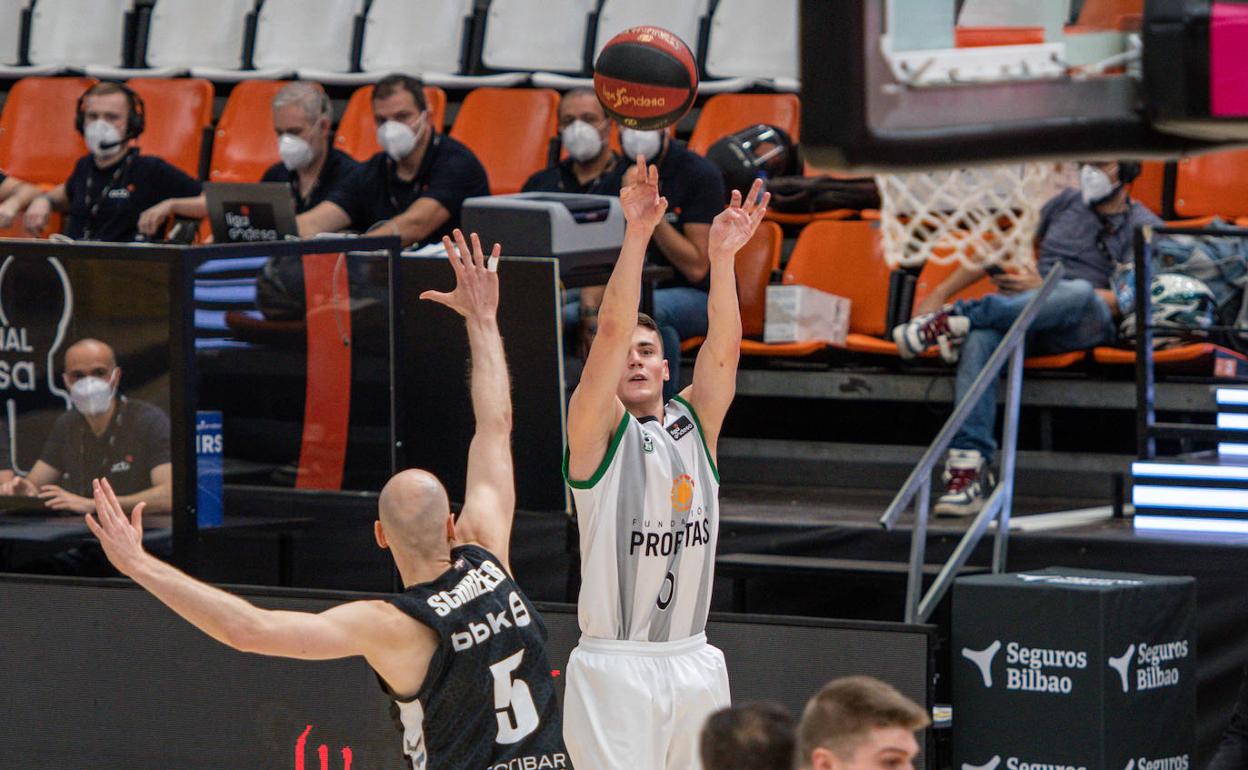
(121, 538)
(735, 225)
(642, 204)
(476, 278)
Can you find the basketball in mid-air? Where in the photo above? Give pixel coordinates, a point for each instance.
(646, 78)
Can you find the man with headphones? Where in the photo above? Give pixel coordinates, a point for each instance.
(114, 183)
(1089, 231)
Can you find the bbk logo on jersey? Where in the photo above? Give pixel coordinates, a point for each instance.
(1028, 669)
(1014, 763)
(1154, 665)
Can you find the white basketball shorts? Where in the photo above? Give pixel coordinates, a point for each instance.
(641, 704)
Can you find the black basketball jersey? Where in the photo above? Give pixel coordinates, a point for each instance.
(488, 700)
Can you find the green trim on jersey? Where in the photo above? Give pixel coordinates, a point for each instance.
(606, 459)
(701, 435)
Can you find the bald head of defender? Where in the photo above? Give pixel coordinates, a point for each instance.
(415, 516)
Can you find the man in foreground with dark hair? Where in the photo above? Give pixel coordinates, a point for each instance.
(415, 187)
(749, 736)
(859, 723)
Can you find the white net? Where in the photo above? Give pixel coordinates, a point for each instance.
(978, 216)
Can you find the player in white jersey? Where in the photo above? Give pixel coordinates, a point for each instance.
(643, 678)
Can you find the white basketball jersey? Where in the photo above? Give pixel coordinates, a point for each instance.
(649, 522)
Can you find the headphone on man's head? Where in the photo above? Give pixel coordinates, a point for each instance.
(136, 121)
(1128, 170)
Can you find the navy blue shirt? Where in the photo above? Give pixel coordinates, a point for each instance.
(337, 167)
(448, 174)
(1087, 244)
(105, 203)
(562, 178)
(694, 189)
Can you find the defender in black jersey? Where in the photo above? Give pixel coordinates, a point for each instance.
(461, 651)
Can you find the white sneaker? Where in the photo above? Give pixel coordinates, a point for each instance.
(967, 479)
(941, 328)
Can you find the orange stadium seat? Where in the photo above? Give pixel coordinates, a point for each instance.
(1212, 185)
(357, 132)
(976, 37)
(1202, 358)
(1109, 14)
(755, 262)
(1149, 187)
(725, 113)
(245, 145)
(509, 129)
(38, 141)
(178, 111)
(842, 258)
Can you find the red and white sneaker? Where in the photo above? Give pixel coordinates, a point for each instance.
(942, 329)
(967, 480)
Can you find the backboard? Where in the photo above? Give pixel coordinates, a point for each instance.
(909, 84)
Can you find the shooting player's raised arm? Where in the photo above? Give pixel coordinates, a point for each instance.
(595, 410)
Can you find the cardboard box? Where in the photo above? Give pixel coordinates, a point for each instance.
(798, 313)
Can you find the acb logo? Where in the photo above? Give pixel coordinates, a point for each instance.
(682, 493)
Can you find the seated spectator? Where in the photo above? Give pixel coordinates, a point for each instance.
(694, 189)
(415, 187)
(15, 196)
(859, 723)
(302, 118)
(1090, 232)
(748, 736)
(591, 168)
(106, 435)
(112, 185)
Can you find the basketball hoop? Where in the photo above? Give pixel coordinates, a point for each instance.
(977, 216)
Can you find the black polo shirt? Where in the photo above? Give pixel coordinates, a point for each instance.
(337, 167)
(105, 204)
(136, 441)
(562, 178)
(694, 189)
(449, 173)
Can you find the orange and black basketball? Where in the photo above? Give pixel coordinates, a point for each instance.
(646, 78)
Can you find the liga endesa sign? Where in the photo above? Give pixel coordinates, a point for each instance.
(1064, 669)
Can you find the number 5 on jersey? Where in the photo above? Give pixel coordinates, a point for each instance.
(512, 695)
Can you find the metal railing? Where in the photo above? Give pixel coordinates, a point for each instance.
(917, 489)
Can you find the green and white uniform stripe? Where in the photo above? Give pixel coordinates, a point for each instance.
(649, 523)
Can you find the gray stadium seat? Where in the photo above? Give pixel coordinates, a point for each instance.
(752, 43)
(11, 37)
(682, 18)
(70, 35)
(294, 34)
(189, 33)
(422, 38)
(524, 36)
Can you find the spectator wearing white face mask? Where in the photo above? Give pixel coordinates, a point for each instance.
(106, 435)
(592, 167)
(302, 117)
(112, 185)
(694, 189)
(415, 187)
